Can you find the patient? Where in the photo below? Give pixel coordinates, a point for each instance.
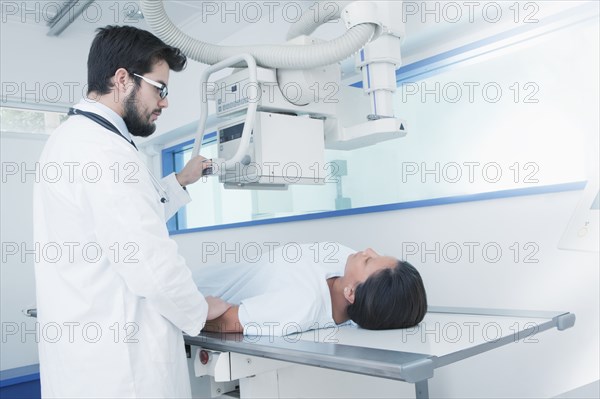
(309, 286)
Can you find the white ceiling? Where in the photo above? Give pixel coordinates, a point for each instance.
(215, 21)
(30, 60)
(187, 15)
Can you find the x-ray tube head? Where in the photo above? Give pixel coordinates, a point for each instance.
(284, 149)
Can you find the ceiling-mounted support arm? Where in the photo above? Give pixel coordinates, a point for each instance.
(66, 15)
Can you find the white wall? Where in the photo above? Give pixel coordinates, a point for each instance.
(561, 280)
(42, 70)
(17, 286)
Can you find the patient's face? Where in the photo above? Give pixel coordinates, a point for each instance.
(361, 265)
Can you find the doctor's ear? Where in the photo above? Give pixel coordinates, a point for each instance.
(123, 82)
(349, 293)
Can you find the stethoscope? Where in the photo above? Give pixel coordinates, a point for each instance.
(164, 197)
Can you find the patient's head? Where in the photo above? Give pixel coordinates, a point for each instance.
(389, 293)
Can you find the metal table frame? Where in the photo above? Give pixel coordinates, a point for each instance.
(416, 368)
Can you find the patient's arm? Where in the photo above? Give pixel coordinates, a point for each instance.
(228, 322)
(216, 307)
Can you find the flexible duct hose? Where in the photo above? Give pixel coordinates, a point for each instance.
(307, 23)
(269, 56)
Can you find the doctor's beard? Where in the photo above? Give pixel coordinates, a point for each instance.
(137, 124)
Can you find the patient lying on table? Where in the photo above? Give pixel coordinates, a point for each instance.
(310, 286)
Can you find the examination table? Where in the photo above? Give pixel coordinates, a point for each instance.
(445, 336)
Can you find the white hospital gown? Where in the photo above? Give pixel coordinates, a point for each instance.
(283, 292)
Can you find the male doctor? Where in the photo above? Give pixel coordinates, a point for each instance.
(113, 294)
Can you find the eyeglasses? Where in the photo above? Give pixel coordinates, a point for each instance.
(163, 91)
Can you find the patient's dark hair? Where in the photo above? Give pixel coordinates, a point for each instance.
(391, 298)
(127, 47)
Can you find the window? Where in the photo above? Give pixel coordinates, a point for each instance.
(29, 121)
(514, 118)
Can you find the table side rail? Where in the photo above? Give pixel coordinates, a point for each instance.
(388, 364)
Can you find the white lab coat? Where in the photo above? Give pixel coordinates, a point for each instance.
(113, 295)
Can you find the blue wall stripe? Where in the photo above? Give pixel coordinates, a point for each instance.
(19, 375)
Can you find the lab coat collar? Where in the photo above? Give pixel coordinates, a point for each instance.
(89, 105)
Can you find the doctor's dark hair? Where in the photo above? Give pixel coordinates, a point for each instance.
(127, 47)
(391, 298)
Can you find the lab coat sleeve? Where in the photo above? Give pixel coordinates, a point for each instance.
(178, 196)
(129, 225)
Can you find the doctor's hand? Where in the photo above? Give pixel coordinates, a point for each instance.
(216, 307)
(192, 171)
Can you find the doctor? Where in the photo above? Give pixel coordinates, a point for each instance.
(113, 294)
